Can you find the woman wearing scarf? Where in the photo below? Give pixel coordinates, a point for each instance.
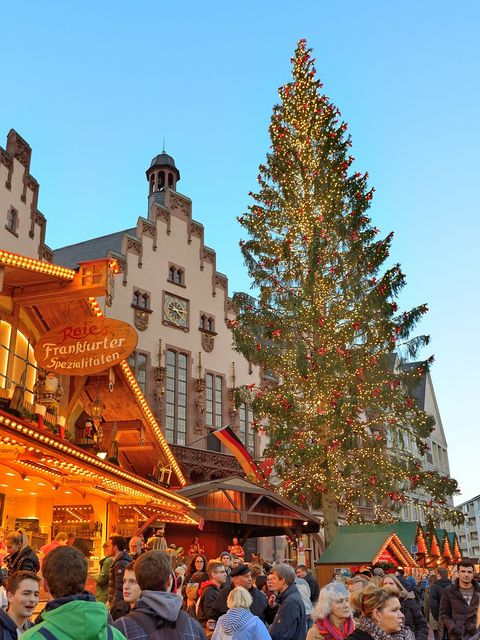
(381, 616)
(332, 614)
(414, 618)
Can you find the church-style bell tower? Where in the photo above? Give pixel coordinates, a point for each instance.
(161, 175)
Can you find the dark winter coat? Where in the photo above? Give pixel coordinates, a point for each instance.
(456, 616)
(24, 560)
(115, 577)
(414, 618)
(290, 621)
(8, 628)
(206, 604)
(314, 588)
(435, 595)
(359, 634)
(259, 605)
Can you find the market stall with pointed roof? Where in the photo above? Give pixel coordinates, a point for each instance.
(350, 549)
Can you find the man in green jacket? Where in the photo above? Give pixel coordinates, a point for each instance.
(102, 577)
(72, 613)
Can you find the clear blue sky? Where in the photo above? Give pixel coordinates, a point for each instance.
(95, 87)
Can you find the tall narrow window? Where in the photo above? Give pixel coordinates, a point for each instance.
(176, 398)
(214, 401)
(12, 220)
(138, 364)
(247, 433)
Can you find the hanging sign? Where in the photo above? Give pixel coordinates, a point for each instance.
(80, 481)
(386, 556)
(84, 347)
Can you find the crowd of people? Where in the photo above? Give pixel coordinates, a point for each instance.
(144, 594)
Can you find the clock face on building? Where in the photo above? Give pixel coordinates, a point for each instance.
(175, 310)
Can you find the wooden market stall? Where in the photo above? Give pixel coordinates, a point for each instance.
(236, 507)
(77, 456)
(427, 548)
(352, 549)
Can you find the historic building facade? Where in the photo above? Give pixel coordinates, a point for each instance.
(173, 294)
(22, 226)
(436, 456)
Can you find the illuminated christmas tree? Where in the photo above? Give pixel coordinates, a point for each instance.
(326, 326)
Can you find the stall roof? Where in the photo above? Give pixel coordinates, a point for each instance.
(353, 547)
(241, 486)
(406, 531)
(30, 451)
(359, 548)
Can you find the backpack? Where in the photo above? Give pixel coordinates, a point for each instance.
(158, 628)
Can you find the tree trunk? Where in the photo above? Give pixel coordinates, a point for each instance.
(330, 516)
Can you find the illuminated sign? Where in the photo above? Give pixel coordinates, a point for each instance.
(85, 347)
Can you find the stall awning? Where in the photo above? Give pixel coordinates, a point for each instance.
(31, 451)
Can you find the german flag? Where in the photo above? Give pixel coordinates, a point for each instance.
(235, 446)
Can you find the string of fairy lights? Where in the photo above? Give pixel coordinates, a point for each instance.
(326, 323)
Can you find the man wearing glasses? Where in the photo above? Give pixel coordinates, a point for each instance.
(209, 591)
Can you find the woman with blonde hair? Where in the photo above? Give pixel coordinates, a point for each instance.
(414, 618)
(21, 557)
(239, 623)
(381, 616)
(332, 615)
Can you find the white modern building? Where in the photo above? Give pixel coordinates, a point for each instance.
(468, 532)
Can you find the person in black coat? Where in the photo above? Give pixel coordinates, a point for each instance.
(209, 591)
(117, 548)
(242, 577)
(459, 604)
(290, 622)
(21, 557)
(302, 572)
(414, 618)
(436, 591)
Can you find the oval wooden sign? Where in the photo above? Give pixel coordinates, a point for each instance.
(87, 346)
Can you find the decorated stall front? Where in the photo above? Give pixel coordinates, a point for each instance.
(80, 449)
(400, 544)
(350, 550)
(431, 548)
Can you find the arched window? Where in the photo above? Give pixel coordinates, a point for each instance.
(176, 275)
(170, 180)
(211, 324)
(160, 180)
(203, 321)
(141, 299)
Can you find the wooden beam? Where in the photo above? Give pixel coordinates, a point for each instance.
(136, 447)
(53, 293)
(254, 504)
(231, 501)
(78, 383)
